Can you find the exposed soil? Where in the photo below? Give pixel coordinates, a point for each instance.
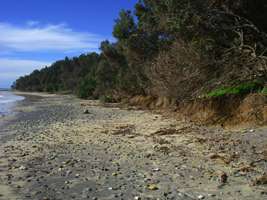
(59, 147)
(227, 111)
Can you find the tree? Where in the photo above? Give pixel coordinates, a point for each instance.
(124, 25)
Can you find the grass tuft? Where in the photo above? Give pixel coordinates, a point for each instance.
(264, 90)
(241, 89)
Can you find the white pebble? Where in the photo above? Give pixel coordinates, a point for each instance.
(201, 197)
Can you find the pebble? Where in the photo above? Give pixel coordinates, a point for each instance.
(211, 195)
(86, 111)
(114, 174)
(152, 187)
(22, 167)
(201, 197)
(156, 170)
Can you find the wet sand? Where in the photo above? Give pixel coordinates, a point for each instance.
(52, 150)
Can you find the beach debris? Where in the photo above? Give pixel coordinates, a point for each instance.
(262, 180)
(165, 131)
(222, 177)
(226, 159)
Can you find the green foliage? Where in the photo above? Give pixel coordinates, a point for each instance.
(241, 89)
(87, 88)
(264, 91)
(124, 25)
(168, 48)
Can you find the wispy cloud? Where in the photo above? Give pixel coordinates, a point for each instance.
(20, 65)
(14, 68)
(34, 40)
(51, 37)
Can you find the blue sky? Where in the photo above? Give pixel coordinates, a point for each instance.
(35, 33)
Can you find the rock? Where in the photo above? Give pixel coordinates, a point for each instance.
(22, 167)
(86, 111)
(156, 170)
(77, 175)
(152, 187)
(211, 195)
(68, 172)
(200, 197)
(114, 174)
(137, 198)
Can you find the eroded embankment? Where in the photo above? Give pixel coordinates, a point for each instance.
(225, 111)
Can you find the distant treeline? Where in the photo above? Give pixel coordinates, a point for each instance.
(172, 48)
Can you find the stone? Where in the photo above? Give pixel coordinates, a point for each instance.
(201, 197)
(86, 111)
(152, 187)
(156, 170)
(22, 167)
(114, 174)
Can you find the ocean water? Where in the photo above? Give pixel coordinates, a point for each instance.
(7, 102)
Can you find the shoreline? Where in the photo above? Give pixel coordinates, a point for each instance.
(56, 151)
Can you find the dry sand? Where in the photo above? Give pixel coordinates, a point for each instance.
(52, 150)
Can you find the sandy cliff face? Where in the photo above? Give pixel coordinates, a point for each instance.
(226, 111)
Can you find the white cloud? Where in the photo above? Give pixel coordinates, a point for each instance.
(20, 65)
(11, 69)
(57, 38)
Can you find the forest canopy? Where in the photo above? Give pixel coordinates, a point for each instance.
(173, 48)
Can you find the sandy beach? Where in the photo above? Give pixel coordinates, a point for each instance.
(59, 147)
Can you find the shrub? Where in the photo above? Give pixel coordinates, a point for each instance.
(241, 89)
(264, 90)
(86, 88)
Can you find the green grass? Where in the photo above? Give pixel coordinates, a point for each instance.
(241, 89)
(264, 91)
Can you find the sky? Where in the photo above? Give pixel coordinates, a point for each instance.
(35, 33)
